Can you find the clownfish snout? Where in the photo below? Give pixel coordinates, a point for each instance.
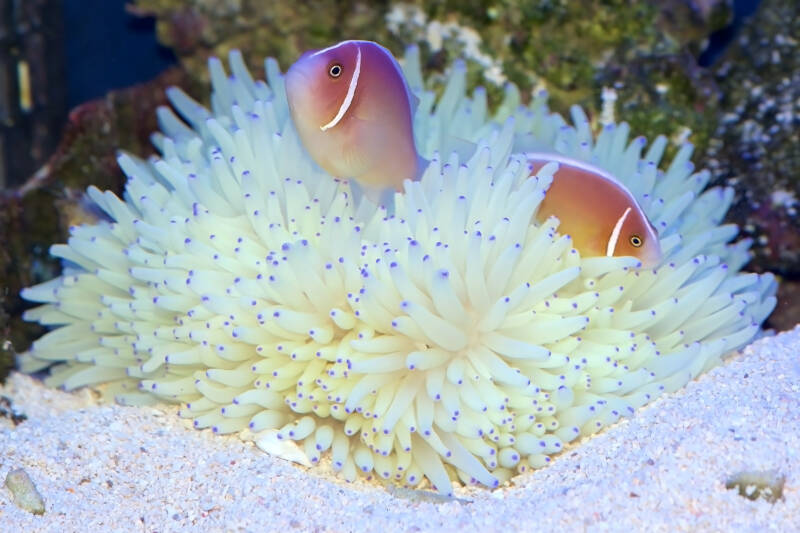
(294, 80)
(651, 254)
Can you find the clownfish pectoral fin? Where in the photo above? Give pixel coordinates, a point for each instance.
(354, 156)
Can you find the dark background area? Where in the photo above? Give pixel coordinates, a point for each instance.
(108, 48)
(722, 38)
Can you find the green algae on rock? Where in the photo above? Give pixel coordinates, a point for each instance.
(457, 339)
(758, 484)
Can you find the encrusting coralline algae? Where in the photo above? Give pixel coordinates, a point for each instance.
(457, 338)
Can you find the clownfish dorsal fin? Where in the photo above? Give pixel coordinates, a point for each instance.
(413, 99)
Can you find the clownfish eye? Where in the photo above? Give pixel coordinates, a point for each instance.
(335, 70)
(636, 241)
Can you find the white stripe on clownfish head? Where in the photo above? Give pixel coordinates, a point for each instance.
(348, 99)
(612, 241)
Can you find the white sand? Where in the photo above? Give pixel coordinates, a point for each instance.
(107, 468)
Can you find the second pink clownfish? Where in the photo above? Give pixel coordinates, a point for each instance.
(353, 111)
(596, 210)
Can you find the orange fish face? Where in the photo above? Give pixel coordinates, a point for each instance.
(597, 211)
(637, 237)
(319, 83)
(352, 110)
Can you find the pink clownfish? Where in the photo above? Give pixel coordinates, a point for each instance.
(352, 109)
(597, 211)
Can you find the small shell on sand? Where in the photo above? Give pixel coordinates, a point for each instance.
(269, 442)
(25, 494)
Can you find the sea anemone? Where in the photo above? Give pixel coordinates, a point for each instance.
(458, 337)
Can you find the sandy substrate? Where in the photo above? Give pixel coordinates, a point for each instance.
(111, 468)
